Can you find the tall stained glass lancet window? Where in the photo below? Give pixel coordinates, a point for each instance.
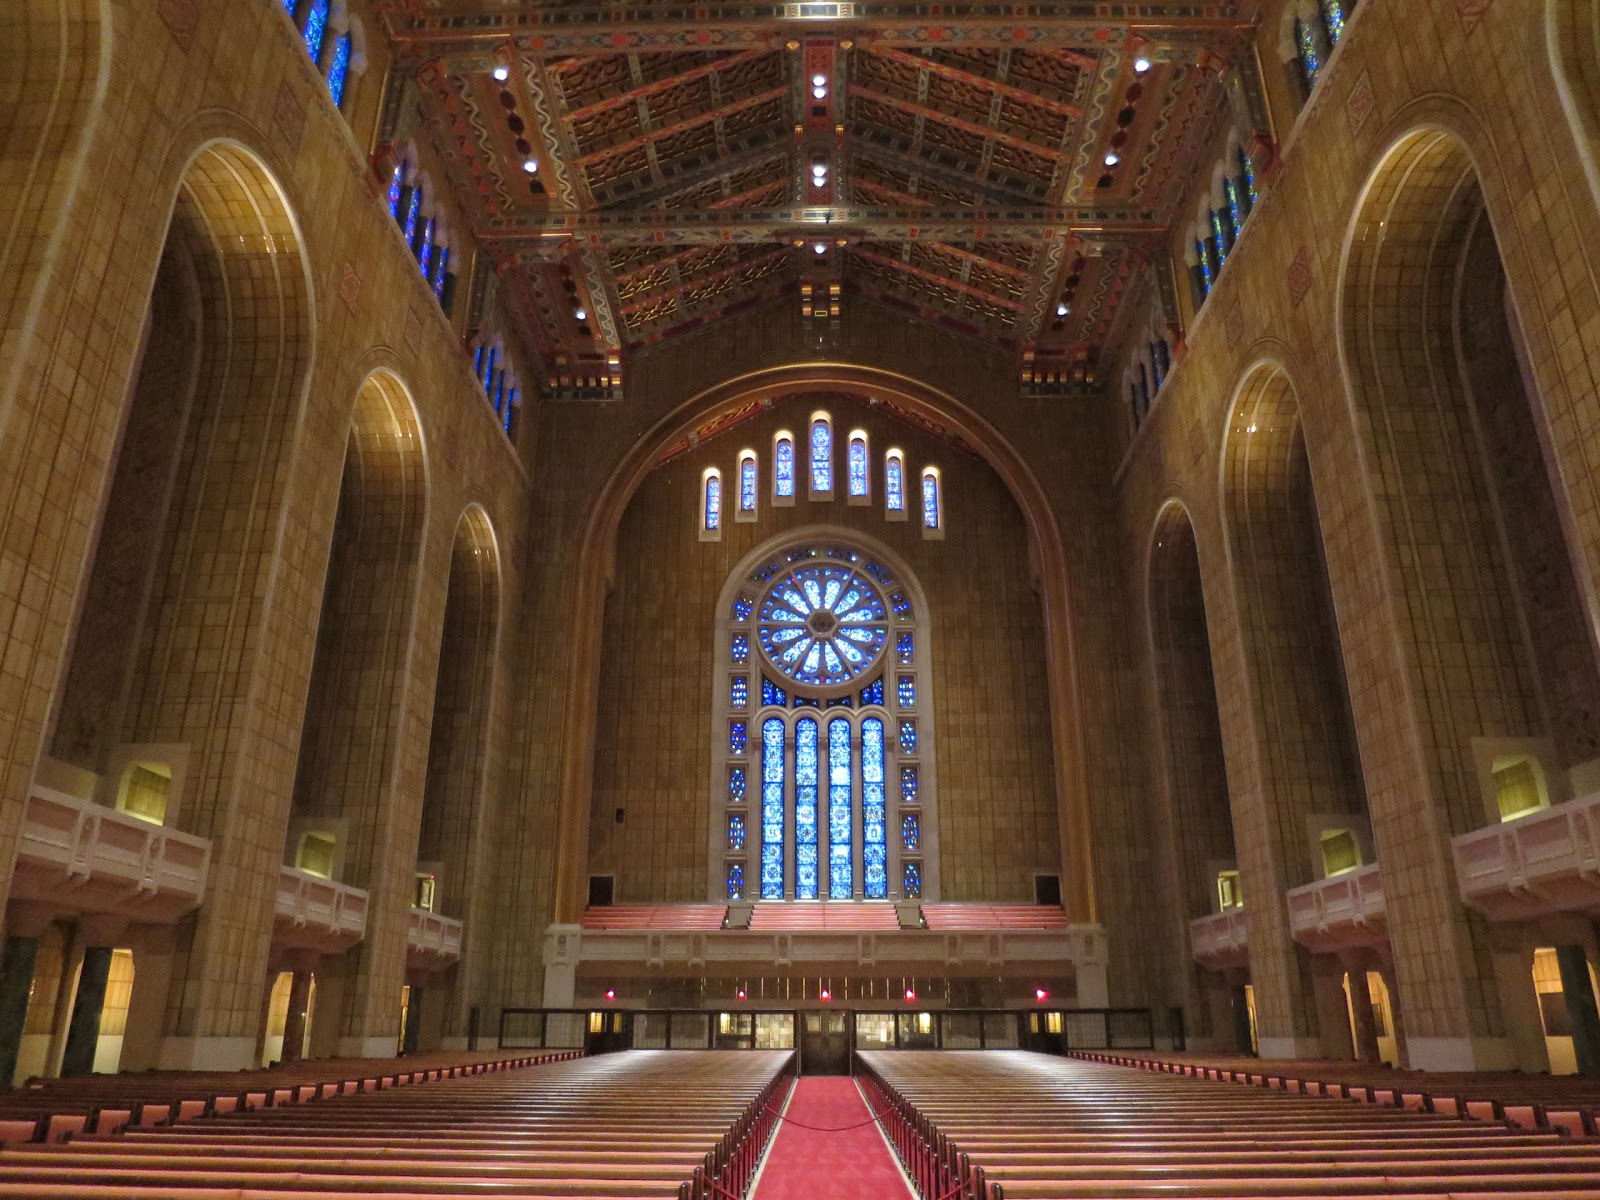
(932, 502)
(748, 482)
(396, 184)
(821, 454)
(772, 809)
(857, 465)
(425, 251)
(1204, 260)
(1305, 40)
(441, 263)
(413, 217)
(1333, 17)
(894, 483)
(874, 814)
(315, 27)
(840, 832)
(711, 503)
(783, 467)
(339, 68)
(805, 809)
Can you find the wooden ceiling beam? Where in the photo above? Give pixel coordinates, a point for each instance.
(987, 83)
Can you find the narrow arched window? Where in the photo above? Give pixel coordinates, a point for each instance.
(841, 818)
(1305, 41)
(821, 455)
(1220, 235)
(711, 504)
(1236, 210)
(1333, 18)
(856, 466)
(783, 468)
(749, 480)
(339, 68)
(397, 182)
(413, 216)
(425, 250)
(1203, 258)
(314, 25)
(1247, 172)
(772, 739)
(894, 485)
(874, 813)
(805, 809)
(932, 504)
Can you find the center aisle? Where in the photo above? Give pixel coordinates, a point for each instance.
(829, 1145)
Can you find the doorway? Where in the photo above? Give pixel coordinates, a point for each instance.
(825, 1043)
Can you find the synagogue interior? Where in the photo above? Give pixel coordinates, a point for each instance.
(622, 598)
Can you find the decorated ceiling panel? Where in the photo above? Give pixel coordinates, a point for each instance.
(634, 170)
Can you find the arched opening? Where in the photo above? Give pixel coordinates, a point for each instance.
(1490, 633)
(1306, 769)
(450, 848)
(348, 801)
(1202, 863)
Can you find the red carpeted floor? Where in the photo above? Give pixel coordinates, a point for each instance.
(843, 1155)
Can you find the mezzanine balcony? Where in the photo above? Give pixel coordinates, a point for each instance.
(1545, 862)
(1222, 940)
(432, 942)
(313, 913)
(1342, 912)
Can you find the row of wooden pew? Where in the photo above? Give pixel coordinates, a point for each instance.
(1020, 1125)
(1568, 1102)
(630, 1126)
(50, 1110)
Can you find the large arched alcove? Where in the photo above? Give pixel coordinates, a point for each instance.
(941, 413)
(1201, 860)
(1479, 643)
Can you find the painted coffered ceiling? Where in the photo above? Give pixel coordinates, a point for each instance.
(635, 170)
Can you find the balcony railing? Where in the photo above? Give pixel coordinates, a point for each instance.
(81, 857)
(1546, 862)
(1221, 940)
(432, 941)
(313, 913)
(1340, 913)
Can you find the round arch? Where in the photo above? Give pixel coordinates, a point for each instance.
(597, 555)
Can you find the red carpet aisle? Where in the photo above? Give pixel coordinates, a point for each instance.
(806, 1163)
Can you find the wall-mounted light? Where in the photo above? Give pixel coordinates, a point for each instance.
(1040, 995)
(824, 994)
(911, 995)
(611, 994)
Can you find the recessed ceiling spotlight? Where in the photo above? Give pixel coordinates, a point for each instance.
(1141, 65)
(819, 93)
(501, 74)
(582, 314)
(1062, 310)
(1112, 159)
(530, 165)
(819, 81)
(819, 247)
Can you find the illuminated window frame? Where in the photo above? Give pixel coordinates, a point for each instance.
(895, 456)
(858, 441)
(711, 516)
(779, 439)
(748, 461)
(933, 530)
(813, 492)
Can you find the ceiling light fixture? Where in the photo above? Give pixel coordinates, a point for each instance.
(819, 93)
(582, 314)
(501, 74)
(1141, 65)
(819, 247)
(1112, 159)
(819, 81)
(1062, 310)
(530, 165)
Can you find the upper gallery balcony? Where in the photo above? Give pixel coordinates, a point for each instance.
(1545, 862)
(313, 913)
(81, 857)
(432, 941)
(1221, 940)
(1341, 912)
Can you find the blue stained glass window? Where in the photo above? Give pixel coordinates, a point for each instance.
(1235, 205)
(477, 362)
(877, 572)
(316, 27)
(805, 809)
(873, 692)
(772, 809)
(840, 702)
(739, 691)
(900, 604)
(772, 696)
(425, 251)
(1205, 264)
(911, 832)
(903, 648)
(783, 466)
(738, 737)
(713, 510)
(288, 6)
(894, 484)
(822, 624)
(395, 186)
(511, 403)
(858, 466)
(747, 484)
(913, 881)
(840, 875)
(1333, 17)
(741, 648)
(339, 69)
(874, 848)
(906, 690)
(735, 831)
(1305, 37)
(413, 212)
(908, 737)
(743, 606)
(908, 785)
(441, 267)
(807, 702)
(821, 456)
(1220, 234)
(1247, 169)
(736, 785)
(735, 881)
(930, 500)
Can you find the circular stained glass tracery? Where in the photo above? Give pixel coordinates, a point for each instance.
(822, 625)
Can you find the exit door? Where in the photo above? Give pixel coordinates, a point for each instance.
(825, 1043)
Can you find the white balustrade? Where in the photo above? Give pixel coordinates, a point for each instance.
(313, 913)
(1221, 940)
(1340, 913)
(1543, 863)
(432, 941)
